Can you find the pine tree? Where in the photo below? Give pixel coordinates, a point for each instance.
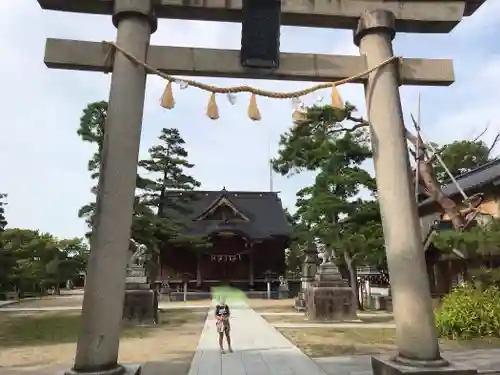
(167, 164)
(91, 130)
(3, 220)
(335, 149)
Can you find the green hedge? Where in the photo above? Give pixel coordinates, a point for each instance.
(468, 313)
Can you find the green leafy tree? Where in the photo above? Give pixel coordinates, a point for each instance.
(294, 255)
(461, 157)
(335, 149)
(39, 260)
(6, 260)
(68, 259)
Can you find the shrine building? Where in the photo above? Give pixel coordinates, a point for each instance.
(243, 239)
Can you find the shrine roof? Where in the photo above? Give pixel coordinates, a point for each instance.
(487, 174)
(262, 212)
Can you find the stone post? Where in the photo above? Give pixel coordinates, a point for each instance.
(98, 342)
(416, 341)
(310, 266)
(251, 268)
(199, 279)
(268, 275)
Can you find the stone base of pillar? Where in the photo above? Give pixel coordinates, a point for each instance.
(140, 307)
(118, 370)
(400, 366)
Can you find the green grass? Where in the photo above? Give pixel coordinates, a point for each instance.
(17, 329)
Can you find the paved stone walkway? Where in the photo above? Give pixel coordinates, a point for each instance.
(486, 361)
(259, 349)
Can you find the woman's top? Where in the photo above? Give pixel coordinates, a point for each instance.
(222, 310)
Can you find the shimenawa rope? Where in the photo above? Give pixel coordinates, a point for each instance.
(212, 111)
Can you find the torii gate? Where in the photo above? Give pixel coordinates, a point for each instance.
(375, 23)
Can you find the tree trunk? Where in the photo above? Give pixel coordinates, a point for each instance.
(353, 277)
(428, 178)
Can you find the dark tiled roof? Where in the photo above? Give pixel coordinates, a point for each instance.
(488, 173)
(264, 209)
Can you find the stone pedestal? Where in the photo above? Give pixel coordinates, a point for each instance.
(283, 290)
(140, 306)
(330, 298)
(300, 302)
(118, 370)
(393, 366)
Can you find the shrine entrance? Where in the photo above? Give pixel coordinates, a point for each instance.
(375, 24)
(228, 259)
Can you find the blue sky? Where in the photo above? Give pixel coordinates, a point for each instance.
(44, 162)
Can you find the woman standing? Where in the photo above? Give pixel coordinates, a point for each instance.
(222, 315)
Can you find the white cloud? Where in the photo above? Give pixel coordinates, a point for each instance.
(44, 162)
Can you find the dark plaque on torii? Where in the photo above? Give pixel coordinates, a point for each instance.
(260, 34)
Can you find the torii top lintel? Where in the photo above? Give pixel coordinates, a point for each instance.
(416, 16)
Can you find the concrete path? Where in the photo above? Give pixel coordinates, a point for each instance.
(259, 349)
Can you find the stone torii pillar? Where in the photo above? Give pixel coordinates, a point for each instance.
(416, 334)
(98, 342)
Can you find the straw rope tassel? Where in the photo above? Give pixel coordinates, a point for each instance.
(253, 109)
(338, 104)
(212, 110)
(167, 99)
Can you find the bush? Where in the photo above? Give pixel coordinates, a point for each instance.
(485, 278)
(468, 313)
